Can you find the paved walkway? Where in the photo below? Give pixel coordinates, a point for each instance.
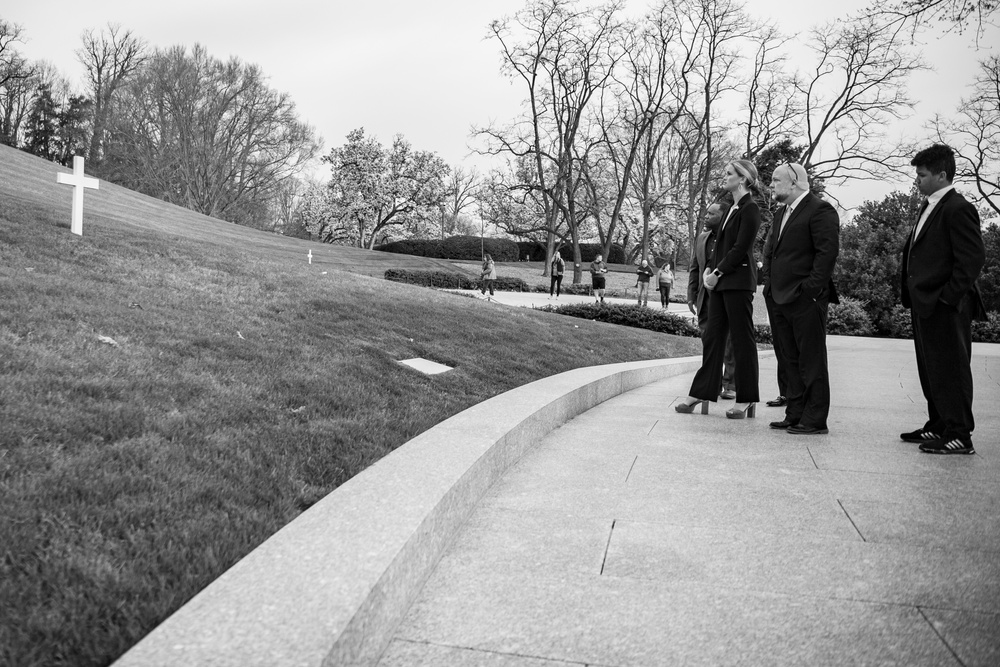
(539, 299)
(635, 535)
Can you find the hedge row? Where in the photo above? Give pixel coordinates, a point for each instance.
(447, 280)
(502, 250)
(455, 247)
(535, 252)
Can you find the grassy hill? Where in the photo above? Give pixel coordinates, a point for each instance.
(174, 389)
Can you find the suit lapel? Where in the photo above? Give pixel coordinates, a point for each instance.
(796, 213)
(933, 218)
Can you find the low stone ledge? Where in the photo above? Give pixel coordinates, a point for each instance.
(331, 587)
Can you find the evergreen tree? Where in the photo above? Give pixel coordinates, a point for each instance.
(42, 124)
(74, 129)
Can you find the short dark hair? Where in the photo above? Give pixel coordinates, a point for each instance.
(724, 206)
(936, 159)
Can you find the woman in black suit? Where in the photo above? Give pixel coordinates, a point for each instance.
(731, 278)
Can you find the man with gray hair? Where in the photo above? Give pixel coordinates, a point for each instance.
(799, 257)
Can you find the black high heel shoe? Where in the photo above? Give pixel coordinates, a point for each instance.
(749, 411)
(688, 408)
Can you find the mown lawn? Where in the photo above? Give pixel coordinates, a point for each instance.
(231, 391)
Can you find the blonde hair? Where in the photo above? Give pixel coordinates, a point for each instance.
(747, 170)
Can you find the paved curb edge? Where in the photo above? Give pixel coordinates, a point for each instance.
(331, 587)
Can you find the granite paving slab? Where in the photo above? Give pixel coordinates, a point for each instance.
(634, 535)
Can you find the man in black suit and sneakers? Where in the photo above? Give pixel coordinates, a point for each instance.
(942, 258)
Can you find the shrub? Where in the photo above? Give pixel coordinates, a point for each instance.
(630, 316)
(763, 334)
(447, 280)
(472, 247)
(418, 247)
(849, 318)
(454, 247)
(431, 279)
(898, 323)
(867, 269)
(989, 331)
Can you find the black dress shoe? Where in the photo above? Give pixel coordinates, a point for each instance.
(781, 401)
(783, 424)
(802, 429)
(920, 435)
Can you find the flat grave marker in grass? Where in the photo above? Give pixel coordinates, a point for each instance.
(79, 181)
(426, 366)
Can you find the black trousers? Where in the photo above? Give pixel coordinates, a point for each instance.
(799, 330)
(782, 382)
(943, 343)
(729, 312)
(555, 284)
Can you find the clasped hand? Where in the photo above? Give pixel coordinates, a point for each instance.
(711, 280)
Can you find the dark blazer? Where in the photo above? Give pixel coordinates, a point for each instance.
(733, 254)
(801, 260)
(942, 264)
(699, 260)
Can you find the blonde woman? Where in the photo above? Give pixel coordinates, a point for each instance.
(731, 280)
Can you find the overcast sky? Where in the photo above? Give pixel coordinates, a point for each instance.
(422, 68)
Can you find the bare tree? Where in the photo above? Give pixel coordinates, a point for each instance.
(975, 134)
(650, 90)
(109, 57)
(208, 135)
(15, 83)
(773, 108)
(957, 14)
(856, 89)
(462, 188)
(564, 55)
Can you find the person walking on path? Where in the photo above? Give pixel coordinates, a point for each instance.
(731, 278)
(664, 281)
(697, 295)
(557, 269)
(489, 274)
(803, 248)
(598, 269)
(942, 259)
(644, 273)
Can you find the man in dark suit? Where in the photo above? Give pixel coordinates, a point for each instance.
(798, 266)
(697, 295)
(942, 259)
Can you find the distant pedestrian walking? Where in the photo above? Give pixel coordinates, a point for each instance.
(558, 268)
(598, 269)
(664, 281)
(644, 273)
(489, 274)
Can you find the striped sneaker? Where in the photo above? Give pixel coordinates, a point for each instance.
(953, 446)
(920, 435)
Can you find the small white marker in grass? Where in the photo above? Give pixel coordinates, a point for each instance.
(79, 182)
(426, 366)
(310, 255)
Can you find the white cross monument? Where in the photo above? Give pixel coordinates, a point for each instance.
(79, 182)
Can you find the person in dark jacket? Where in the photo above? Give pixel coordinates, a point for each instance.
(942, 259)
(556, 270)
(643, 274)
(731, 278)
(801, 252)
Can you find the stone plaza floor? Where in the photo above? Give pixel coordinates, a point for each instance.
(634, 535)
